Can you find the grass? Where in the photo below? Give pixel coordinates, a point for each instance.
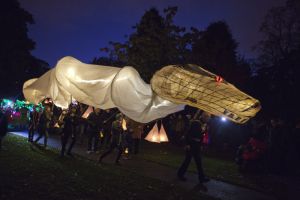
(216, 167)
(27, 172)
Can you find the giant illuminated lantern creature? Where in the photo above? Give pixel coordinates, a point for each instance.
(171, 89)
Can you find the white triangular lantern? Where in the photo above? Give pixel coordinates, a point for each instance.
(153, 135)
(162, 134)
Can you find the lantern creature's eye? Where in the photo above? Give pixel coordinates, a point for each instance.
(219, 79)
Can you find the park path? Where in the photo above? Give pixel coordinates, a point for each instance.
(215, 188)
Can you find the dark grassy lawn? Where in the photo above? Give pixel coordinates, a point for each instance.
(27, 172)
(215, 165)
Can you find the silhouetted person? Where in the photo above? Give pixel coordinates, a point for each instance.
(277, 146)
(136, 130)
(94, 127)
(82, 123)
(108, 117)
(293, 155)
(33, 123)
(116, 139)
(3, 127)
(193, 147)
(44, 125)
(70, 122)
(179, 127)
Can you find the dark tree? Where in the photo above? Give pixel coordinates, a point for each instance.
(278, 75)
(16, 62)
(215, 49)
(156, 42)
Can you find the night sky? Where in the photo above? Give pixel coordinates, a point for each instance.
(80, 28)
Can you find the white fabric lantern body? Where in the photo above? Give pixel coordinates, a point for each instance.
(153, 135)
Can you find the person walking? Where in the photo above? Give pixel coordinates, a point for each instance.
(94, 121)
(33, 123)
(70, 122)
(44, 125)
(193, 147)
(136, 130)
(116, 139)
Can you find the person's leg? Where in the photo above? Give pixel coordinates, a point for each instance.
(130, 143)
(64, 140)
(39, 137)
(96, 141)
(72, 144)
(30, 130)
(107, 135)
(120, 148)
(90, 138)
(81, 132)
(32, 135)
(46, 135)
(111, 148)
(196, 152)
(181, 171)
(101, 138)
(136, 146)
(106, 153)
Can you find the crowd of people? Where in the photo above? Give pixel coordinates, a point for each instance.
(272, 146)
(100, 128)
(110, 129)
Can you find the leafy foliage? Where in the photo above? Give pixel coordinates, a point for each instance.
(278, 75)
(16, 62)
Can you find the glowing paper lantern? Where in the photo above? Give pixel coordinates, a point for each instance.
(87, 112)
(56, 125)
(162, 134)
(124, 125)
(153, 135)
(156, 135)
(101, 134)
(126, 151)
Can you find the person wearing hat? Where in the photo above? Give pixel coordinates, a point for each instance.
(116, 139)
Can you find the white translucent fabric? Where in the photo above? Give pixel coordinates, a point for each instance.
(99, 86)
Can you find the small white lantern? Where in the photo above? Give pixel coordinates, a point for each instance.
(153, 135)
(162, 134)
(156, 135)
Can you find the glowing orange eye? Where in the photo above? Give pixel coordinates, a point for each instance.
(219, 79)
